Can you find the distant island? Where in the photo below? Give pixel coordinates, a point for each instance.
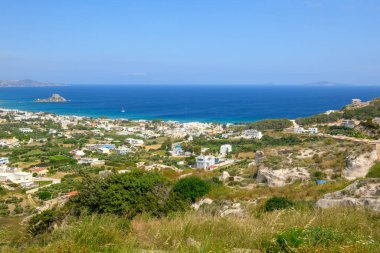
(26, 83)
(326, 84)
(55, 98)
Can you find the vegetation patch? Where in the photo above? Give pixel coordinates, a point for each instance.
(277, 203)
(374, 171)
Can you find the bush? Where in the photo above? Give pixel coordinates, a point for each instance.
(18, 209)
(129, 194)
(43, 221)
(2, 191)
(277, 203)
(44, 195)
(293, 238)
(191, 188)
(374, 171)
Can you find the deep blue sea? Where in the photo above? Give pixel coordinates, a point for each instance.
(232, 103)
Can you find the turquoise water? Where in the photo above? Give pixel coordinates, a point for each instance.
(188, 103)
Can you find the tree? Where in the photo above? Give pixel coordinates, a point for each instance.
(197, 150)
(44, 195)
(42, 222)
(167, 144)
(191, 188)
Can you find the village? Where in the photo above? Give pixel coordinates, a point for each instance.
(105, 146)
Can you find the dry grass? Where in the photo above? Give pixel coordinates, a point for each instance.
(297, 191)
(359, 231)
(153, 147)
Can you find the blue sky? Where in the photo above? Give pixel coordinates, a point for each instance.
(191, 42)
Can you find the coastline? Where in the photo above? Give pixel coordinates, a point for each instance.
(220, 104)
(128, 119)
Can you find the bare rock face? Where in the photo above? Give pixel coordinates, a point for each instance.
(205, 201)
(361, 193)
(281, 177)
(358, 166)
(259, 157)
(225, 175)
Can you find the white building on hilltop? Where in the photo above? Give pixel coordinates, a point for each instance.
(253, 133)
(225, 149)
(203, 162)
(310, 130)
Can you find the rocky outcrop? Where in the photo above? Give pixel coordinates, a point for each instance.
(361, 193)
(281, 177)
(225, 176)
(259, 157)
(232, 209)
(53, 99)
(358, 166)
(205, 201)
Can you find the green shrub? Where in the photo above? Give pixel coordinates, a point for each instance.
(18, 209)
(277, 203)
(43, 221)
(2, 191)
(44, 195)
(4, 211)
(191, 188)
(129, 194)
(293, 238)
(374, 171)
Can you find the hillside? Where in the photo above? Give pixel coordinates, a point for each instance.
(77, 184)
(26, 83)
(364, 111)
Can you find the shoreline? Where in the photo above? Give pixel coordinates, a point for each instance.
(136, 119)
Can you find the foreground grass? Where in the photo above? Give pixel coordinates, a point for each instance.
(333, 230)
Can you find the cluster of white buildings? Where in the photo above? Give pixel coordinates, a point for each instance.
(15, 175)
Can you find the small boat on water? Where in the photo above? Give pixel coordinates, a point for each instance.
(122, 109)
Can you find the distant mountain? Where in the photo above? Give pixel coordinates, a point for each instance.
(26, 83)
(326, 83)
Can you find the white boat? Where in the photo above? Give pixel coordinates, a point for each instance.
(122, 110)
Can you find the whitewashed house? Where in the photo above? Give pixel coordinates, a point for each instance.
(203, 162)
(253, 133)
(23, 176)
(225, 149)
(135, 142)
(26, 130)
(310, 130)
(4, 160)
(123, 150)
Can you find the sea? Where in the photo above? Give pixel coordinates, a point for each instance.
(186, 103)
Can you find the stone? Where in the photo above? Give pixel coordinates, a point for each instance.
(358, 166)
(362, 193)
